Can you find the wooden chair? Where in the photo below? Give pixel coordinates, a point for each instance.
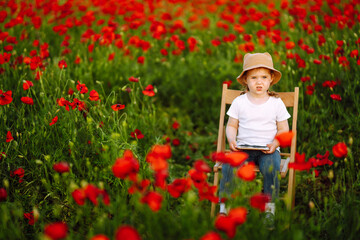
(290, 99)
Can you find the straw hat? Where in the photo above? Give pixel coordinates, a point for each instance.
(257, 60)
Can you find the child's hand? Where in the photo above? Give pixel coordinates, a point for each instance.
(232, 146)
(272, 147)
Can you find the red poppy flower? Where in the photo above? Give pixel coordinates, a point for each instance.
(321, 40)
(62, 64)
(179, 186)
(163, 151)
(290, 45)
(215, 42)
(202, 166)
(71, 91)
(27, 100)
(238, 215)
(36, 21)
(9, 137)
(141, 59)
(343, 61)
(100, 237)
(164, 52)
(2, 155)
(3, 194)
(126, 232)
(235, 159)
(226, 224)
(321, 160)
(339, 43)
(329, 84)
(79, 196)
(310, 89)
(247, 172)
(92, 193)
(160, 178)
(117, 107)
(20, 172)
(316, 172)
(139, 187)
(228, 83)
(137, 134)
(5, 97)
(207, 192)
(30, 217)
(94, 95)
(336, 97)
(153, 200)
(157, 162)
(197, 177)
(8, 48)
(340, 150)
(219, 157)
(300, 163)
(62, 102)
(211, 236)
(259, 200)
(149, 91)
(54, 120)
(354, 53)
(133, 79)
(305, 79)
(61, 167)
(285, 138)
(111, 57)
(77, 60)
(192, 43)
(127, 166)
(27, 84)
(57, 230)
(176, 142)
(79, 104)
(82, 88)
(176, 125)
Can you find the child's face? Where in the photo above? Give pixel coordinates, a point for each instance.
(259, 80)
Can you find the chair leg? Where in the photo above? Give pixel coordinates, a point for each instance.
(213, 205)
(291, 190)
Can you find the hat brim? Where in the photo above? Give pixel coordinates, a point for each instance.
(277, 77)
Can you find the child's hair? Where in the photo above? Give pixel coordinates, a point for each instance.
(271, 93)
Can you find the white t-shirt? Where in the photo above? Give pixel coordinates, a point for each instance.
(257, 123)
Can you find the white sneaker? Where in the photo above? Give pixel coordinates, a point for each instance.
(270, 207)
(269, 220)
(223, 209)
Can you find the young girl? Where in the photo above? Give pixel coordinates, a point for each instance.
(255, 118)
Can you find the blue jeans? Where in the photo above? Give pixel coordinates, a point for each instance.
(269, 166)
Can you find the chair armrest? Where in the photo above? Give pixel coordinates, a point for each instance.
(285, 165)
(217, 166)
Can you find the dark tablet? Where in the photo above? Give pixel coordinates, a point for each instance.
(252, 147)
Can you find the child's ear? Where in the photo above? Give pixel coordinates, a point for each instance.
(272, 77)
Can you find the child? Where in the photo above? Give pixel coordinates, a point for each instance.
(255, 118)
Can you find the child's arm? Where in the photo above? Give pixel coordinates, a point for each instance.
(231, 131)
(282, 126)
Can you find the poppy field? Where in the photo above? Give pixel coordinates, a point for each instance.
(109, 113)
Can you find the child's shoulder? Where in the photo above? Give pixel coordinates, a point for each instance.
(276, 100)
(240, 98)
